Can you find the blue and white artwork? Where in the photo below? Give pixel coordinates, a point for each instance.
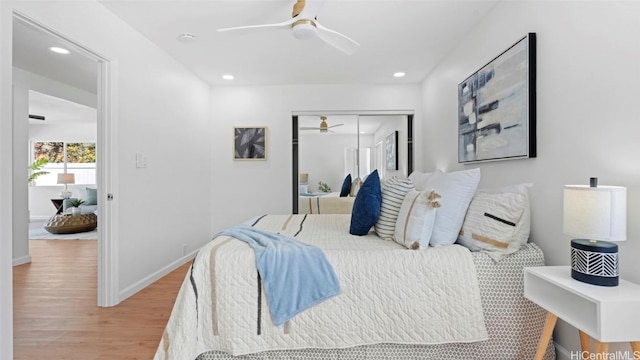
(496, 107)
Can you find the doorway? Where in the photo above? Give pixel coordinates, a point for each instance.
(89, 71)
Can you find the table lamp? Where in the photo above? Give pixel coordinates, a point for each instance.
(304, 183)
(66, 179)
(596, 216)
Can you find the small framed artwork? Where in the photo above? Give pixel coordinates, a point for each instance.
(497, 107)
(250, 143)
(391, 151)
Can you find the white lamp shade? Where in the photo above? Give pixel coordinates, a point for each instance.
(66, 178)
(595, 213)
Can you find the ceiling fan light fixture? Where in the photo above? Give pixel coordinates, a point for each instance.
(304, 29)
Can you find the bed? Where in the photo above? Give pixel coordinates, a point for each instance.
(394, 303)
(325, 203)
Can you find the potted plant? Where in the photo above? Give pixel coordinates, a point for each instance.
(323, 187)
(35, 168)
(75, 203)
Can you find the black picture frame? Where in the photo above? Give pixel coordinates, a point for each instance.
(250, 143)
(497, 107)
(391, 151)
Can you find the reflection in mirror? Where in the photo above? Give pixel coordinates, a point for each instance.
(329, 148)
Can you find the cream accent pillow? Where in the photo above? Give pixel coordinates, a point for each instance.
(416, 219)
(419, 179)
(457, 189)
(498, 221)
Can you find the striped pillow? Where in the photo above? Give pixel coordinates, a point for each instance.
(416, 219)
(393, 193)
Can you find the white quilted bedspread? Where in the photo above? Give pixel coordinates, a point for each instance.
(388, 295)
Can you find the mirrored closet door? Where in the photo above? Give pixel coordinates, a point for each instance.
(328, 148)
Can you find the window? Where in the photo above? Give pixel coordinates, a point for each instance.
(78, 158)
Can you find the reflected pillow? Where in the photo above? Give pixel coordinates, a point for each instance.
(92, 197)
(366, 207)
(346, 186)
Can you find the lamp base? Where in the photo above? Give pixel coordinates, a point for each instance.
(594, 262)
(65, 194)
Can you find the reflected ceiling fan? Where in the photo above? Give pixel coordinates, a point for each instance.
(324, 127)
(304, 25)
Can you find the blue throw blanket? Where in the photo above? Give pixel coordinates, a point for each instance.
(295, 275)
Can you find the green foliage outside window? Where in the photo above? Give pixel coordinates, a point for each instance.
(77, 153)
(81, 153)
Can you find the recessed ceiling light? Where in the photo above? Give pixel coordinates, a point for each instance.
(228, 77)
(59, 50)
(186, 37)
(398, 74)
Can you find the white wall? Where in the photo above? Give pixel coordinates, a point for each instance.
(6, 184)
(322, 156)
(20, 174)
(588, 72)
(244, 188)
(162, 111)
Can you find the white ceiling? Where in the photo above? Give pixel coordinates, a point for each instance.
(59, 111)
(395, 35)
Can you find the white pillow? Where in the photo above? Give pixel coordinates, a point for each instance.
(355, 187)
(419, 179)
(498, 221)
(416, 219)
(393, 193)
(457, 189)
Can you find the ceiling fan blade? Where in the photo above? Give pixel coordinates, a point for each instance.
(276, 26)
(310, 9)
(336, 125)
(337, 40)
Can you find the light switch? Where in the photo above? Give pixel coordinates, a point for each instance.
(141, 161)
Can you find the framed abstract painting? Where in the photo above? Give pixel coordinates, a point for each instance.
(497, 107)
(250, 143)
(391, 151)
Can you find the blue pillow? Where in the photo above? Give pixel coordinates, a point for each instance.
(92, 196)
(366, 207)
(346, 186)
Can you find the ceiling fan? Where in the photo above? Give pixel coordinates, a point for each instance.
(304, 25)
(324, 127)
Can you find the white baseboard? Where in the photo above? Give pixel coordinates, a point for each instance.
(133, 289)
(22, 260)
(561, 352)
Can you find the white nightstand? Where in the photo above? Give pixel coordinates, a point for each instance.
(606, 314)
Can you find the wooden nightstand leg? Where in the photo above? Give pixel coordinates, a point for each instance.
(585, 343)
(547, 330)
(635, 347)
(601, 348)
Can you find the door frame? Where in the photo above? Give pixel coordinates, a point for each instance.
(106, 169)
(295, 141)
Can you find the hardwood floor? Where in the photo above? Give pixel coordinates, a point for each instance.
(55, 312)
